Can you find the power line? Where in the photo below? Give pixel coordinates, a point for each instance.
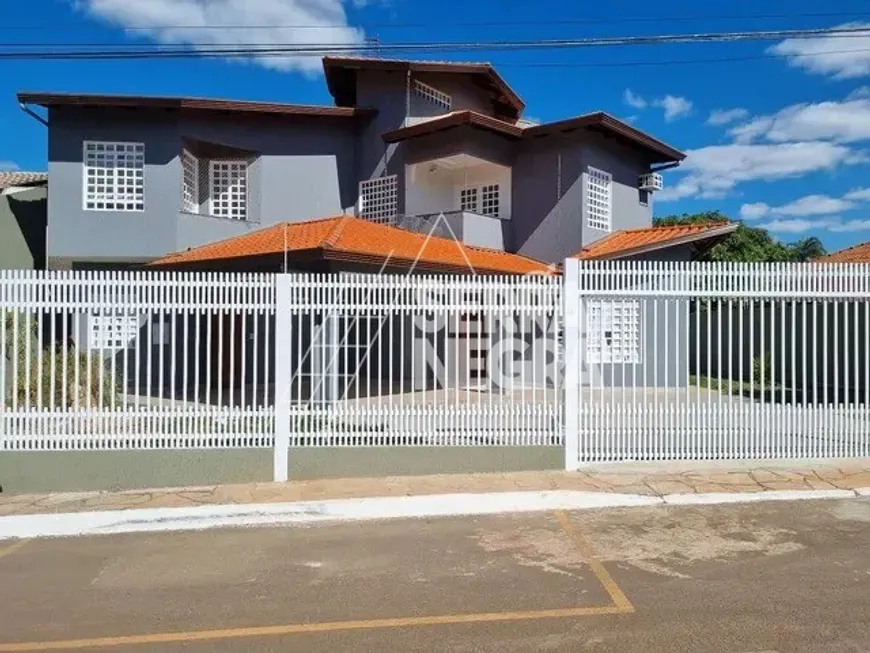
(523, 23)
(258, 50)
(668, 62)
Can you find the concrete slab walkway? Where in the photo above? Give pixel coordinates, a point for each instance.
(646, 479)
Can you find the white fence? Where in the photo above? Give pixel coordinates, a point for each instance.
(116, 360)
(680, 361)
(621, 361)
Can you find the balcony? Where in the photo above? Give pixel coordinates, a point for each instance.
(465, 226)
(460, 196)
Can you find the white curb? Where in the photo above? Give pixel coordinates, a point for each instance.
(205, 517)
(863, 491)
(150, 520)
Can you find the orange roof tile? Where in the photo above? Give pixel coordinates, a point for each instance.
(350, 239)
(637, 241)
(856, 254)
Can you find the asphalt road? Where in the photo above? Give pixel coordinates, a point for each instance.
(784, 577)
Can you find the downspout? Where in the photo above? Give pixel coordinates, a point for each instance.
(666, 166)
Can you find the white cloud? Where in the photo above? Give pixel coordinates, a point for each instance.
(842, 58)
(675, 107)
(850, 225)
(813, 205)
(801, 225)
(844, 122)
(8, 166)
(858, 195)
(754, 211)
(809, 205)
(714, 170)
(790, 226)
(726, 116)
(215, 23)
(860, 92)
(633, 100)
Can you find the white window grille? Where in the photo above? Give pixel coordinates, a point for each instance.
(468, 199)
(378, 199)
(189, 183)
(483, 200)
(113, 176)
(433, 95)
(228, 181)
(598, 199)
(613, 331)
(112, 331)
(489, 200)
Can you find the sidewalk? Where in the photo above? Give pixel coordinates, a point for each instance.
(646, 479)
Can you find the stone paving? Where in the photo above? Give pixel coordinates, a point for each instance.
(651, 479)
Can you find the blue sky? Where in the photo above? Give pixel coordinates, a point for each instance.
(788, 146)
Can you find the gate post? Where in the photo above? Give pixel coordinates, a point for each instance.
(283, 367)
(571, 336)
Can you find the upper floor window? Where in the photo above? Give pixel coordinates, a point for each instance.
(378, 199)
(214, 181)
(189, 183)
(228, 183)
(598, 199)
(433, 95)
(114, 175)
(483, 200)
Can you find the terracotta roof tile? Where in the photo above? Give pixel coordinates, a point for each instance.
(9, 179)
(856, 254)
(636, 241)
(350, 239)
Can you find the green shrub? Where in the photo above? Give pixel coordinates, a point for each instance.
(762, 370)
(44, 389)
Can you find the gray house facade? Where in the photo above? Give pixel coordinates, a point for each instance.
(417, 145)
(407, 147)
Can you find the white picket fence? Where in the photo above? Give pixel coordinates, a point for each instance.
(716, 361)
(612, 361)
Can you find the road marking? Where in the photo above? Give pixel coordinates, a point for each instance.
(620, 600)
(12, 548)
(620, 605)
(324, 627)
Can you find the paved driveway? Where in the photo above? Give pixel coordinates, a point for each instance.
(790, 578)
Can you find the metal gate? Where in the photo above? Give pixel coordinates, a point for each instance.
(692, 361)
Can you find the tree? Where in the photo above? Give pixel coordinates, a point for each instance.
(747, 244)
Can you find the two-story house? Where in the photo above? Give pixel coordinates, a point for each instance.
(133, 179)
(426, 166)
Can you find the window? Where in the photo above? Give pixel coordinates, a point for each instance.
(433, 95)
(468, 199)
(613, 331)
(598, 206)
(489, 196)
(189, 183)
(112, 331)
(378, 199)
(113, 176)
(483, 200)
(228, 183)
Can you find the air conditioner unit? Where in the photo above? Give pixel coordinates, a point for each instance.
(651, 182)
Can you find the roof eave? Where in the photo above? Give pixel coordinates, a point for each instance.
(684, 240)
(420, 265)
(665, 153)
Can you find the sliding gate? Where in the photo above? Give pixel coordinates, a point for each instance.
(691, 361)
